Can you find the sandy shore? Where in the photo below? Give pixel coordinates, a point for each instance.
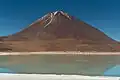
(53, 77)
(50, 53)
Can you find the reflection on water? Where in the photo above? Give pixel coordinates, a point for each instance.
(59, 64)
(114, 71)
(5, 70)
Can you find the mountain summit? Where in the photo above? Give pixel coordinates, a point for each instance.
(51, 16)
(58, 31)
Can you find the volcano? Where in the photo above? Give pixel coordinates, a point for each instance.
(58, 31)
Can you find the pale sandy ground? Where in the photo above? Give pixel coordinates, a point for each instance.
(52, 77)
(49, 53)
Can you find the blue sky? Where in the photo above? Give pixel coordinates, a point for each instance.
(103, 14)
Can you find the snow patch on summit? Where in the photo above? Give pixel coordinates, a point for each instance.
(63, 13)
(51, 16)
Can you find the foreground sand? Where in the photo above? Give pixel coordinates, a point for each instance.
(52, 77)
(60, 52)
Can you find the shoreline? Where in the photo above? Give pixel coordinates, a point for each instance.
(53, 77)
(60, 53)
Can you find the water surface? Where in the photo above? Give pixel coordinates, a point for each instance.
(59, 64)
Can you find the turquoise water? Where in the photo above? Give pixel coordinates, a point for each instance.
(59, 64)
(114, 71)
(5, 70)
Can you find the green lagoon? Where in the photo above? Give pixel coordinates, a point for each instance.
(59, 64)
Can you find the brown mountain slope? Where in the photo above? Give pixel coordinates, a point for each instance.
(57, 31)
